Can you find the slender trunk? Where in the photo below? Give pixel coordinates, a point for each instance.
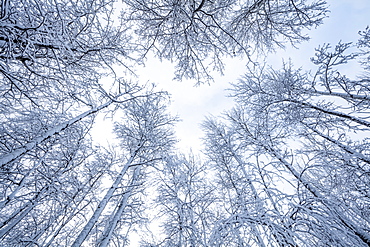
(75, 212)
(346, 96)
(20, 186)
(22, 213)
(360, 233)
(108, 231)
(103, 203)
(285, 230)
(250, 185)
(57, 129)
(349, 150)
(69, 211)
(255, 195)
(364, 236)
(260, 204)
(330, 112)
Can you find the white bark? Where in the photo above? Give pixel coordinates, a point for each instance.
(32, 144)
(364, 236)
(108, 231)
(36, 141)
(339, 213)
(276, 231)
(103, 203)
(330, 112)
(346, 96)
(349, 150)
(23, 213)
(20, 186)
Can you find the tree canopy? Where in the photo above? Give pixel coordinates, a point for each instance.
(289, 165)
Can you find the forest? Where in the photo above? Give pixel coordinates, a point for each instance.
(287, 166)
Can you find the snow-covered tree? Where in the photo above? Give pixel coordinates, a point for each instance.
(198, 34)
(288, 166)
(185, 201)
(253, 208)
(313, 128)
(146, 136)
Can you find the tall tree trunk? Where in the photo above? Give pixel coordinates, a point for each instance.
(363, 235)
(108, 231)
(11, 222)
(103, 203)
(57, 129)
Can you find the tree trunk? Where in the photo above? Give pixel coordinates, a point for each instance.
(108, 231)
(103, 203)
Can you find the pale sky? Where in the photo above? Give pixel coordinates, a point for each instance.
(193, 104)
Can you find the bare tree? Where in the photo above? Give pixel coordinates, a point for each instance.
(185, 201)
(43, 186)
(64, 46)
(254, 212)
(146, 135)
(197, 35)
(326, 112)
(60, 65)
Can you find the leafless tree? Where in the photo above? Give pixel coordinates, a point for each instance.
(197, 35)
(254, 210)
(185, 201)
(314, 126)
(146, 135)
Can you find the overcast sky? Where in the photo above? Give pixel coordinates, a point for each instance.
(192, 104)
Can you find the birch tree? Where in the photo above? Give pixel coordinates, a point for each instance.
(62, 45)
(146, 135)
(326, 112)
(38, 194)
(54, 56)
(197, 35)
(186, 202)
(254, 210)
(61, 64)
